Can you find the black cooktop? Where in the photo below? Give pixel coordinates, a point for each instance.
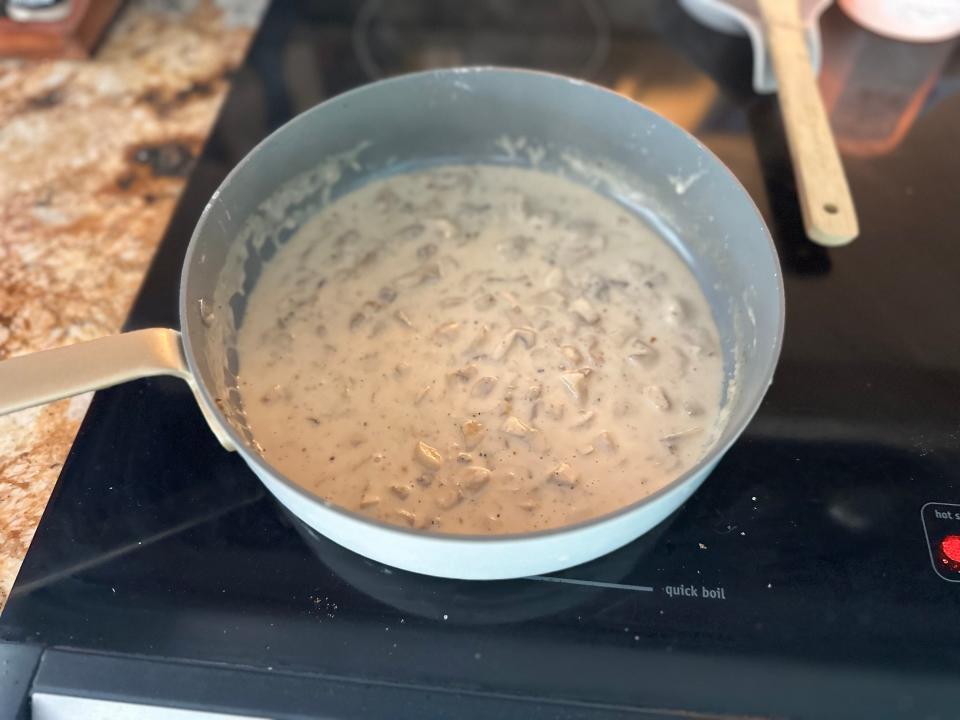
(811, 576)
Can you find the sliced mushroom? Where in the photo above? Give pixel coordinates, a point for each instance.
(426, 251)
(483, 387)
(675, 311)
(595, 351)
(410, 232)
(464, 374)
(644, 360)
(554, 279)
(582, 308)
(447, 331)
(514, 248)
(444, 227)
(534, 411)
(401, 491)
(429, 272)
(428, 456)
(361, 462)
(422, 394)
(680, 435)
(447, 179)
(449, 497)
(501, 349)
(516, 427)
(606, 442)
(378, 327)
(385, 200)
(656, 396)
(534, 213)
(387, 294)
(473, 432)
(656, 280)
(485, 301)
(522, 279)
(473, 478)
(478, 340)
(369, 500)
(356, 320)
(576, 384)
(572, 355)
(585, 245)
(584, 420)
(525, 336)
(514, 311)
(700, 342)
(640, 353)
(563, 475)
(368, 258)
(402, 318)
(357, 439)
(600, 286)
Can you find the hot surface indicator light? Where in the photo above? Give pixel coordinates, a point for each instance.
(950, 546)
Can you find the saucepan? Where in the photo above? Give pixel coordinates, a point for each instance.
(471, 115)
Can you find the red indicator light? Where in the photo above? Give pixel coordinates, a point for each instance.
(950, 546)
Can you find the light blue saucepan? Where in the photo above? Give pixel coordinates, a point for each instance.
(484, 115)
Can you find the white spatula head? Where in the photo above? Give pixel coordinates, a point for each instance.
(741, 17)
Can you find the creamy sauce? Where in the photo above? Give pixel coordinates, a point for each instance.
(479, 350)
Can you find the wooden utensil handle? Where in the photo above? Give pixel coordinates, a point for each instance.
(40, 378)
(829, 215)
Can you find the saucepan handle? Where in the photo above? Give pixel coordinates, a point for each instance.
(43, 377)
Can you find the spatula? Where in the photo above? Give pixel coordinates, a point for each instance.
(829, 216)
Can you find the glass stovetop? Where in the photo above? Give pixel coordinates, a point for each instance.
(799, 581)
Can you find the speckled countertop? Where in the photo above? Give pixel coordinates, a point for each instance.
(93, 157)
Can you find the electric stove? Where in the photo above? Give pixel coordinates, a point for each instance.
(816, 574)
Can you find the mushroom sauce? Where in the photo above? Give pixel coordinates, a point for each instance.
(479, 349)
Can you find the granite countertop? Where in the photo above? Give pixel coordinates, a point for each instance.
(93, 158)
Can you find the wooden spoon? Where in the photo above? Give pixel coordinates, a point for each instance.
(829, 215)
